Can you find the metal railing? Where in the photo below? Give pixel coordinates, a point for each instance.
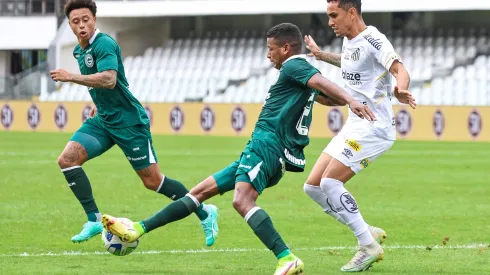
(29, 7)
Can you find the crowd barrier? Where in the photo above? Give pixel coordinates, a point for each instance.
(446, 123)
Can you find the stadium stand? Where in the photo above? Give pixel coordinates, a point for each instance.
(232, 70)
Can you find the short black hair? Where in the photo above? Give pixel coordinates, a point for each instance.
(80, 4)
(347, 4)
(287, 33)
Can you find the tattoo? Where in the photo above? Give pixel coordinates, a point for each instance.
(74, 154)
(331, 58)
(105, 79)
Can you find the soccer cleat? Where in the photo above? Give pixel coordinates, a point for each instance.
(210, 224)
(89, 230)
(289, 265)
(123, 230)
(365, 257)
(378, 234)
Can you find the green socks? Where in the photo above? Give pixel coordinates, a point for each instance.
(175, 211)
(80, 186)
(262, 226)
(175, 190)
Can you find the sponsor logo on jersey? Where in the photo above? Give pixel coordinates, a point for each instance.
(376, 43)
(138, 158)
(354, 79)
(365, 163)
(347, 153)
(356, 54)
(349, 202)
(353, 144)
(89, 60)
(244, 166)
(293, 159)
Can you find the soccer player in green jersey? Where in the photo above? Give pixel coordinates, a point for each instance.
(276, 146)
(117, 118)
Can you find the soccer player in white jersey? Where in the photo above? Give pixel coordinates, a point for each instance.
(366, 62)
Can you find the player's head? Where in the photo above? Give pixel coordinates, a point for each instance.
(283, 41)
(81, 16)
(343, 14)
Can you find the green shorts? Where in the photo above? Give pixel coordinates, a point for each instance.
(256, 165)
(135, 141)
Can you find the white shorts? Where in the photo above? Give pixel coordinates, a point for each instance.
(357, 147)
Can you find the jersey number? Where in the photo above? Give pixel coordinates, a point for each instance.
(303, 129)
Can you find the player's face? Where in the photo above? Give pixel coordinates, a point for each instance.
(82, 23)
(339, 19)
(276, 54)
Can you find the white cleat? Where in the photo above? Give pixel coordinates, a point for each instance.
(378, 234)
(365, 257)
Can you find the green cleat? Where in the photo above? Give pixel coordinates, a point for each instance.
(210, 224)
(89, 230)
(122, 228)
(289, 265)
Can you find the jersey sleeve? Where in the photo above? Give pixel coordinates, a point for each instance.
(386, 54)
(299, 71)
(106, 56)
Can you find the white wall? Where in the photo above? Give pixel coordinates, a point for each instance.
(29, 32)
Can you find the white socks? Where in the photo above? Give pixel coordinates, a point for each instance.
(317, 194)
(345, 205)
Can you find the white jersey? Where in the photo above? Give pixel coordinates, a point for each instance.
(365, 65)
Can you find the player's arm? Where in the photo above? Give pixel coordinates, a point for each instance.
(323, 99)
(332, 90)
(331, 58)
(105, 79)
(403, 82)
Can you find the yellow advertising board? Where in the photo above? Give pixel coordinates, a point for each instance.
(446, 123)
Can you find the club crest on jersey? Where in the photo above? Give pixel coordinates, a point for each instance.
(356, 55)
(89, 60)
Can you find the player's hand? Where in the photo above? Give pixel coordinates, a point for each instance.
(362, 110)
(313, 47)
(93, 112)
(405, 97)
(60, 75)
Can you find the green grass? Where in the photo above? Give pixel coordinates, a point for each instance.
(419, 192)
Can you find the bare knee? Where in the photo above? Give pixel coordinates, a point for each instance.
(241, 206)
(151, 177)
(74, 154)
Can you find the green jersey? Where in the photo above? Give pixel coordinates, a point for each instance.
(117, 108)
(286, 116)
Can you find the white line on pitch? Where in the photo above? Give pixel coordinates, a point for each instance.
(235, 250)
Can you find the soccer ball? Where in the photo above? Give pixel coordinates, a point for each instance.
(115, 245)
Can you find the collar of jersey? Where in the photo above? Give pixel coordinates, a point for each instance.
(295, 56)
(91, 40)
(361, 34)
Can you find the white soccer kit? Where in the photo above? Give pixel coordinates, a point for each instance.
(366, 60)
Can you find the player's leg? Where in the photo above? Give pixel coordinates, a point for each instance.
(314, 191)
(219, 183)
(260, 169)
(355, 154)
(136, 143)
(88, 142)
